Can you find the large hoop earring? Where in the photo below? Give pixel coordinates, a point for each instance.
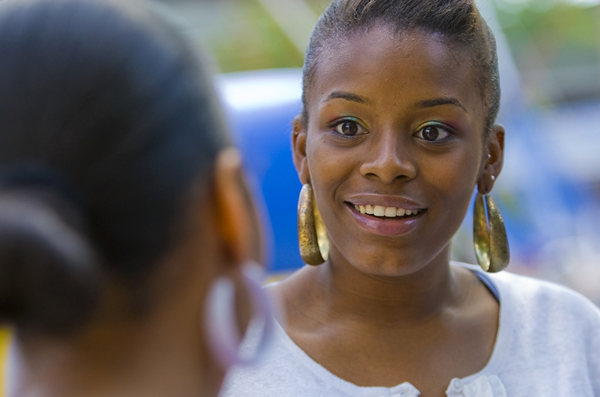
(220, 319)
(491, 243)
(312, 234)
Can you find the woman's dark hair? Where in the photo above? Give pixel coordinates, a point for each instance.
(107, 124)
(457, 21)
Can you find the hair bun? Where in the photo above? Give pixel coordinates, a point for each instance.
(49, 280)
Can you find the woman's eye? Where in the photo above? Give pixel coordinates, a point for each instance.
(433, 133)
(349, 128)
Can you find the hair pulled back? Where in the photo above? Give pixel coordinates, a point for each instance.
(107, 123)
(457, 21)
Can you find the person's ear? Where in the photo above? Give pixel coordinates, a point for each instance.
(239, 227)
(237, 217)
(299, 149)
(493, 160)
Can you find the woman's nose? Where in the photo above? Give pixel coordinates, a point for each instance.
(389, 158)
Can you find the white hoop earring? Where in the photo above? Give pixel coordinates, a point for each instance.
(220, 318)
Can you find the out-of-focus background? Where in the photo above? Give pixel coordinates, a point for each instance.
(549, 190)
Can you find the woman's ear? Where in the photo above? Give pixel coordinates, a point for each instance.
(299, 149)
(239, 226)
(493, 160)
(237, 217)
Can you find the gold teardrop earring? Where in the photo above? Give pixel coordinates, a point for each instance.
(312, 234)
(490, 241)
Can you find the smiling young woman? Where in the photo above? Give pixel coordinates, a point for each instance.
(397, 131)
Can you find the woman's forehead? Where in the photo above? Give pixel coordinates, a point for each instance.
(381, 65)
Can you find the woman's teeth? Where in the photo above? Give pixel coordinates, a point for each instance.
(388, 212)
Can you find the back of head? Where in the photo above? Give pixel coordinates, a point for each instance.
(107, 122)
(456, 21)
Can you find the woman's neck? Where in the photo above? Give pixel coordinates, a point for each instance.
(337, 290)
(405, 328)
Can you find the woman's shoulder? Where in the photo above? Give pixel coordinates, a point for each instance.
(539, 298)
(549, 327)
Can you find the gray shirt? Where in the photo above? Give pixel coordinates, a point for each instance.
(548, 344)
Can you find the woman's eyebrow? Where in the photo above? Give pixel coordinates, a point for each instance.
(347, 96)
(429, 103)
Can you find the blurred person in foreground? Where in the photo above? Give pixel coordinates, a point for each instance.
(126, 229)
(397, 131)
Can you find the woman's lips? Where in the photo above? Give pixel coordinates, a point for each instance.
(380, 220)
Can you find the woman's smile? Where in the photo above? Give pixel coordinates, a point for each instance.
(385, 215)
(386, 221)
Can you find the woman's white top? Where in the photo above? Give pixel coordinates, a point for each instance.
(548, 344)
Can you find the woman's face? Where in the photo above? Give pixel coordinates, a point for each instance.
(393, 148)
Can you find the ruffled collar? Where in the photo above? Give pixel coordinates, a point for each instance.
(483, 386)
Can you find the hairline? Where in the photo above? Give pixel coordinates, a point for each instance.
(308, 74)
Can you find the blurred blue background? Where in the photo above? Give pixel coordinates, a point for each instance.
(549, 190)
